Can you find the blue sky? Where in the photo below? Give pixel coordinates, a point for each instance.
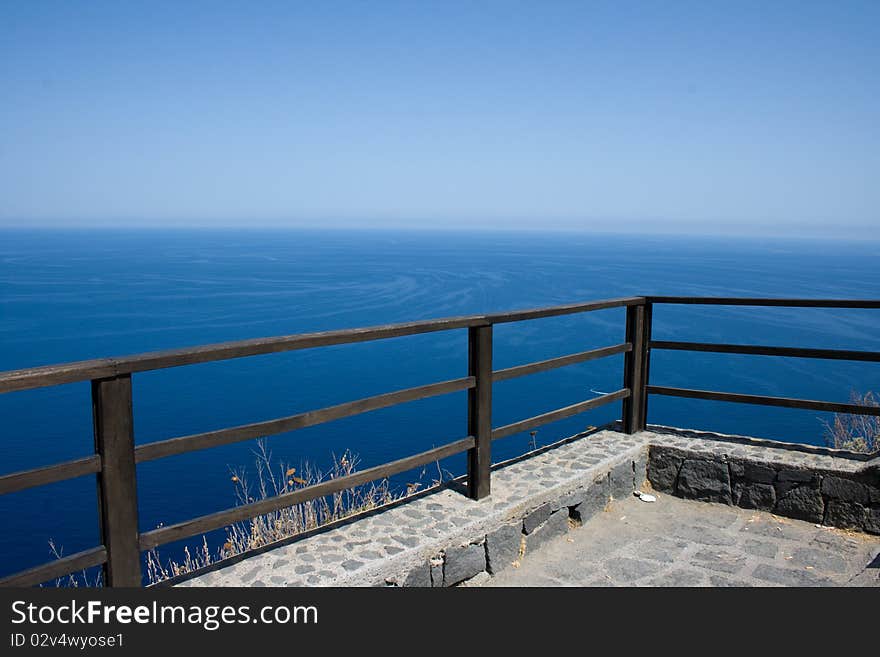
(658, 116)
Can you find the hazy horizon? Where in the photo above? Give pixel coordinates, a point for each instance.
(753, 120)
(802, 234)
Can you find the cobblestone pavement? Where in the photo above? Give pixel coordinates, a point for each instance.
(389, 544)
(676, 542)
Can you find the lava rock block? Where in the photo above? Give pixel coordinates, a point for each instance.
(844, 489)
(789, 479)
(502, 547)
(663, 467)
(596, 499)
(572, 499)
(755, 496)
(872, 521)
(420, 576)
(437, 574)
(704, 480)
(463, 563)
(621, 480)
(802, 503)
(753, 473)
(556, 525)
(536, 518)
(846, 515)
(640, 471)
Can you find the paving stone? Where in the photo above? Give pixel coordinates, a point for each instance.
(660, 548)
(679, 578)
(818, 559)
(760, 548)
(369, 555)
(789, 576)
(720, 560)
(721, 581)
(408, 541)
(626, 570)
(703, 534)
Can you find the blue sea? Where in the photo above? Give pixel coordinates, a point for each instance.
(72, 295)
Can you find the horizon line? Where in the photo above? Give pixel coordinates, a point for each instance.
(460, 229)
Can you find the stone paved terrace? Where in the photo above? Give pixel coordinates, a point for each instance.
(678, 542)
(444, 538)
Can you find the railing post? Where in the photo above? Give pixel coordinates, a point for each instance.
(635, 367)
(117, 487)
(480, 410)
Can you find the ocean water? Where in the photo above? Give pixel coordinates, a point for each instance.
(71, 295)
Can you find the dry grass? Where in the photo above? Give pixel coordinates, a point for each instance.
(270, 479)
(855, 433)
(277, 479)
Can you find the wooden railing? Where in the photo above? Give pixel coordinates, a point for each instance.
(116, 456)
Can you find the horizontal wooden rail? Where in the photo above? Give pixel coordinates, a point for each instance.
(790, 303)
(556, 311)
(562, 361)
(58, 568)
(183, 444)
(761, 400)
(559, 414)
(39, 377)
(789, 352)
(49, 474)
(188, 528)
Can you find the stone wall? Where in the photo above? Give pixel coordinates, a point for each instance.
(507, 545)
(816, 485)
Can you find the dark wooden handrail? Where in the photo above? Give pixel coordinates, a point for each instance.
(786, 303)
(50, 375)
(115, 457)
(763, 400)
(172, 446)
(788, 352)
